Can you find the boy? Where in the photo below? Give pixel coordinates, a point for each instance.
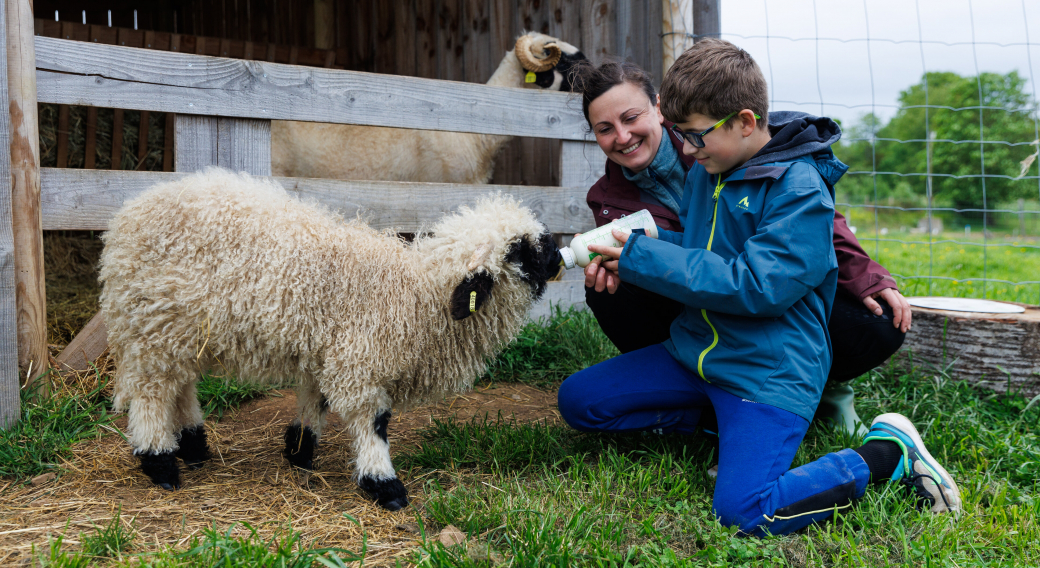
(755, 270)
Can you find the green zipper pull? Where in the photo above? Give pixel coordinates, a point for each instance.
(715, 199)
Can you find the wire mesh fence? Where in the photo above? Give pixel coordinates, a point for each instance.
(938, 105)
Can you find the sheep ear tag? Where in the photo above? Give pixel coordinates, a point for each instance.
(471, 294)
(530, 77)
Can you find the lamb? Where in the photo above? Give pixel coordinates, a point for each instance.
(222, 272)
(338, 151)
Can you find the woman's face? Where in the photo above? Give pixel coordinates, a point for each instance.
(627, 126)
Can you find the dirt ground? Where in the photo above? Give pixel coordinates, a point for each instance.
(247, 480)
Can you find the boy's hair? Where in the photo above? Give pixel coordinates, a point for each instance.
(714, 78)
(591, 81)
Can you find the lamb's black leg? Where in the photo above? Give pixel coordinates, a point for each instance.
(193, 448)
(300, 443)
(389, 493)
(162, 468)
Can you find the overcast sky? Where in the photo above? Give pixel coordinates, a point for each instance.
(894, 58)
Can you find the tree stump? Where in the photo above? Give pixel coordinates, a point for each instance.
(997, 351)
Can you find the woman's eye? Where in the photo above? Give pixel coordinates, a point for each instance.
(604, 130)
(631, 118)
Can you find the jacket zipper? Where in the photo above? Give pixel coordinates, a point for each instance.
(704, 313)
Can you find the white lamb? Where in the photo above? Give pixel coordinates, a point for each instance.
(226, 273)
(340, 151)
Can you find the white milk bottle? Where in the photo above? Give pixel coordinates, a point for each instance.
(578, 253)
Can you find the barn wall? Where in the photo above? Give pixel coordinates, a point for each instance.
(459, 40)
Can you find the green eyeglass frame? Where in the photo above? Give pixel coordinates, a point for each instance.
(696, 139)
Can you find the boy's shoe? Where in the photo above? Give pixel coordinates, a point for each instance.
(917, 469)
(836, 405)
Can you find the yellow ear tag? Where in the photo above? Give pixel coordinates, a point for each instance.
(530, 77)
(473, 301)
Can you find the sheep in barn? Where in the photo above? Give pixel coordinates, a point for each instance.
(339, 151)
(227, 272)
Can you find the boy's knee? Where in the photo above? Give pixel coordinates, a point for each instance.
(575, 404)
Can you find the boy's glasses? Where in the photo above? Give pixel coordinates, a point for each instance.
(697, 138)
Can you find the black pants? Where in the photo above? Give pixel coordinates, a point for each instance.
(634, 318)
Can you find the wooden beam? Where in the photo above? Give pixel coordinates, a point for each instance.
(87, 199)
(10, 401)
(997, 351)
(89, 344)
(581, 163)
(25, 189)
(238, 144)
(120, 77)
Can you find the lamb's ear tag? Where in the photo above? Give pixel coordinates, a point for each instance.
(473, 301)
(530, 77)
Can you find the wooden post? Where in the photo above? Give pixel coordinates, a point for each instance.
(707, 19)
(9, 394)
(676, 30)
(25, 190)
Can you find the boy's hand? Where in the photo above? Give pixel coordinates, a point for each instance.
(602, 272)
(901, 313)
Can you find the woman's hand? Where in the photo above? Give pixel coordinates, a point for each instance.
(901, 313)
(602, 272)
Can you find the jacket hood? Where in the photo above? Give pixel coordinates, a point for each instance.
(796, 134)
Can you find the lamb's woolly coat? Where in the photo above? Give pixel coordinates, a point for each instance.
(226, 273)
(342, 151)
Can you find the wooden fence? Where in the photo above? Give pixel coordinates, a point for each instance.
(223, 108)
(163, 41)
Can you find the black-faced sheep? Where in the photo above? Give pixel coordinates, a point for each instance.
(226, 273)
(339, 151)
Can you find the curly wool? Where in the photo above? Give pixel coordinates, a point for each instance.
(227, 273)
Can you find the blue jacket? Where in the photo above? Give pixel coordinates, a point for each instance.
(754, 267)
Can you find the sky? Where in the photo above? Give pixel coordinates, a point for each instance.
(851, 76)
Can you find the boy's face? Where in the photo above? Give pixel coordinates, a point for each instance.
(627, 126)
(727, 146)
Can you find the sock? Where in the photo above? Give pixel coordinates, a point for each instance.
(881, 457)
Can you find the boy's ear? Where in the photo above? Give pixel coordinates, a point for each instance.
(470, 294)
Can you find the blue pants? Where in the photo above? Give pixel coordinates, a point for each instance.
(648, 390)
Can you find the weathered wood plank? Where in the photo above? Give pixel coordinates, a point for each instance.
(117, 77)
(238, 144)
(117, 139)
(997, 351)
(89, 344)
(25, 190)
(87, 199)
(10, 401)
(404, 37)
(707, 18)
(599, 29)
(581, 164)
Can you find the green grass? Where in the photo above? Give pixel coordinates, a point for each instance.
(47, 429)
(218, 395)
(547, 352)
(49, 426)
(959, 264)
(545, 495)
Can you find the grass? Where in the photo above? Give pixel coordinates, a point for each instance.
(49, 426)
(546, 495)
(549, 351)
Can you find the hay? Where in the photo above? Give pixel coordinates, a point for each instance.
(70, 261)
(103, 160)
(247, 480)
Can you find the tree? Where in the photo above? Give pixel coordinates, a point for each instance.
(900, 146)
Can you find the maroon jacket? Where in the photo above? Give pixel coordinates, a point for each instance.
(613, 196)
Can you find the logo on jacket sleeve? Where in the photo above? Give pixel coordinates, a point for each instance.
(743, 203)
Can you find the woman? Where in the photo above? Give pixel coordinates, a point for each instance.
(646, 169)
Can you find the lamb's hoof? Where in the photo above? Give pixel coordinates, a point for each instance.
(193, 448)
(300, 442)
(162, 469)
(390, 494)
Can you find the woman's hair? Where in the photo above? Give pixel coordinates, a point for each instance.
(590, 81)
